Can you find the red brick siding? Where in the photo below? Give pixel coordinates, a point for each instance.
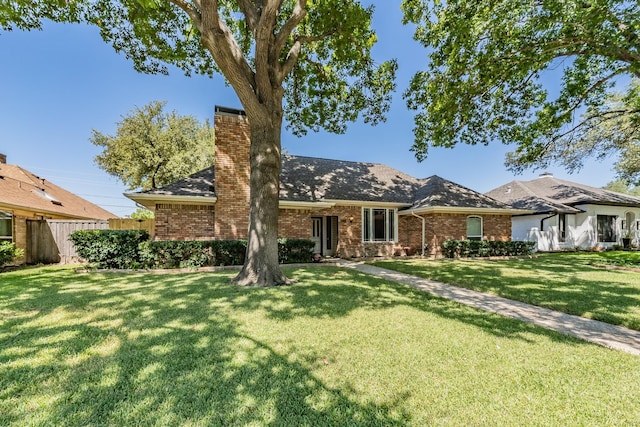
(184, 222)
(294, 223)
(232, 176)
(441, 227)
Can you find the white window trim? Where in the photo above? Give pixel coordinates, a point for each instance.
(393, 211)
(481, 236)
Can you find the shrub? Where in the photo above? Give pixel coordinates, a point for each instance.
(484, 248)
(173, 254)
(194, 254)
(295, 250)
(9, 252)
(109, 248)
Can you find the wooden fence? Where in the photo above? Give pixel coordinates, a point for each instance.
(132, 224)
(48, 240)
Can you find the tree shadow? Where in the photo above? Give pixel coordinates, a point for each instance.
(176, 349)
(563, 282)
(135, 349)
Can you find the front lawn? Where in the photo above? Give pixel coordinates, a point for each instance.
(337, 348)
(575, 283)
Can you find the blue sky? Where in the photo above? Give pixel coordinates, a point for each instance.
(60, 83)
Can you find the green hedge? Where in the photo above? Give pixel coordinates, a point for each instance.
(193, 254)
(126, 249)
(109, 248)
(485, 248)
(9, 252)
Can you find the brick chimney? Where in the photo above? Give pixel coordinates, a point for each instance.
(3, 158)
(232, 169)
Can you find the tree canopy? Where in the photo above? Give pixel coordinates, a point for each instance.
(318, 53)
(152, 148)
(304, 61)
(488, 65)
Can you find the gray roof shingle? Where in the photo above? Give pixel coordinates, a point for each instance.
(549, 194)
(440, 192)
(198, 184)
(310, 179)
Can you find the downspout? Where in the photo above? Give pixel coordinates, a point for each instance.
(423, 227)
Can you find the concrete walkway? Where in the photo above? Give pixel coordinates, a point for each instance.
(611, 336)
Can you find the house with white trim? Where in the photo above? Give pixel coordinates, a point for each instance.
(569, 215)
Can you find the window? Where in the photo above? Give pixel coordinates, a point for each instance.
(378, 225)
(6, 226)
(562, 227)
(474, 228)
(606, 228)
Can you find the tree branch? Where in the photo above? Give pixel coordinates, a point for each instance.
(299, 12)
(219, 41)
(250, 12)
(190, 10)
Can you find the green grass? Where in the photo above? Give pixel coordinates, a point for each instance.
(573, 283)
(337, 348)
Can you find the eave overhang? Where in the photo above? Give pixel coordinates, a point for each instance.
(150, 200)
(463, 210)
(369, 204)
(288, 204)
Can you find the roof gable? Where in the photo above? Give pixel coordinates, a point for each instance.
(549, 194)
(439, 192)
(21, 189)
(313, 179)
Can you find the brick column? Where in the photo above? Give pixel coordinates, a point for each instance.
(232, 168)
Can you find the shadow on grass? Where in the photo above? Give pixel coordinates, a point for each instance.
(175, 349)
(564, 282)
(121, 350)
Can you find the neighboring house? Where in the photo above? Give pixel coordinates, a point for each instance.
(26, 198)
(350, 209)
(569, 215)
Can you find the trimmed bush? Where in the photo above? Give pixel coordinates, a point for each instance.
(109, 248)
(292, 251)
(9, 252)
(194, 254)
(485, 248)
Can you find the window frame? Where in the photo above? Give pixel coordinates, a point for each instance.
(4, 215)
(562, 227)
(600, 234)
(371, 227)
(475, 237)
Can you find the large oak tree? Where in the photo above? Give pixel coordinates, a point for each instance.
(304, 61)
(547, 75)
(152, 148)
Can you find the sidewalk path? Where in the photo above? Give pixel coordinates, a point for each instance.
(601, 333)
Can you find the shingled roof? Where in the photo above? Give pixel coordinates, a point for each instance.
(21, 189)
(439, 192)
(549, 194)
(314, 179)
(311, 179)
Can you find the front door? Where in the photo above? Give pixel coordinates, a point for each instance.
(316, 234)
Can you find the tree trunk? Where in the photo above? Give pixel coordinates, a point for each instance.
(261, 267)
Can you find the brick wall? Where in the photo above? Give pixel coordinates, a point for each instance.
(232, 171)
(184, 222)
(441, 227)
(294, 223)
(20, 235)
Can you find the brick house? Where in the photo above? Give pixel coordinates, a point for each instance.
(26, 197)
(350, 209)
